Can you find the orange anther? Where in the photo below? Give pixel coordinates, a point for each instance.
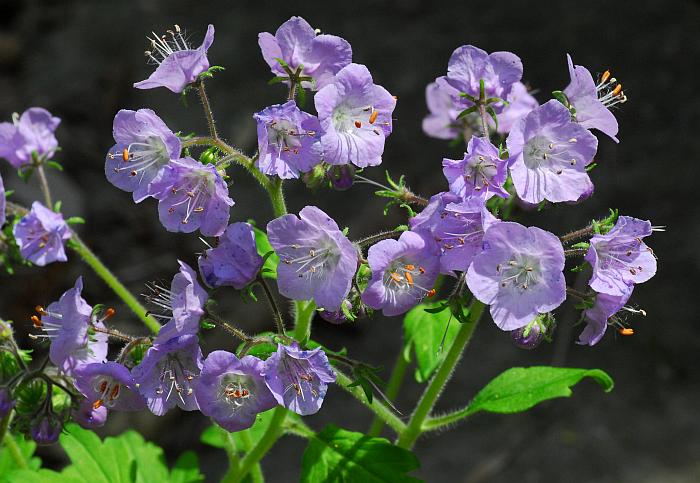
(358, 124)
(103, 386)
(626, 331)
(36, 321)
(125, 155)
(373, 117)
(616, 91)
(109, 313)
(396, 277)
(409, 278)
(395, 98)
(40, 310)
(115, 392)
(408, 266)
(605, 77)
(97, 404)
(133, 173)
(245, 393)
(421, 270)
(431, 292)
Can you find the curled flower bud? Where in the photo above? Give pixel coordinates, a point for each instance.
(530, 336)
(336, 316)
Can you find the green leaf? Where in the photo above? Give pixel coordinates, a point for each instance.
(186, 469)
(127, 458)
(215, 436)
(266, 251)
(277, 79)
(75, 220)
(425, 331)
(521, 388)
(337, 455)
(26, 448)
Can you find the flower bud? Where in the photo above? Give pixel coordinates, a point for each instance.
(337, 317)
(6, 402)
(88, 417)
(341, 177)
(46, 429)
(530, 336)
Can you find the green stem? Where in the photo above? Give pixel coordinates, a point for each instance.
(232, 453)
(304, 314)
(113, 282)
(392, 390)
(273, 432)
(382, 412)
(274, 190)
(11, 444)
(256, 473)
(415, 425)
(431, 424)
(207, 109)
(44, 183)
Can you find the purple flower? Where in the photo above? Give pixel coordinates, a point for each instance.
(46, 429)
(234, 261)
(468, 65)
(549, 154)
(460, 231)
(431, 215)
(108, 385)
(89, 417)
(355, 116)
(298, 379)
(144, 144)
(6, 402)
(297, 44)
(592, 102)
(2, 202)
(519, 274)
(527, 337)
(620, 258)
(166, 374)
(182, 305)
(288, 141)
(32, 132)
(480, 173)
(336, 316)
(178, 63)
(316, 260)
(40, 235)
(67, 323)
(403, 272)
(341, 177)
(596, 317)
(232, 391)
(520, 103)
(192, 195)
(441, 123)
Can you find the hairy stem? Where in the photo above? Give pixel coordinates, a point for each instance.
(304, 313)
(575, 252)
(577, 234)
(274, 190)
(207, 109)
(372, 239)
(234, 331)
(432, 424)
(44, 183)
(256, 473)
(392, 390)
(378, 408)
(277, 315)
(113, 282)
(413, 429)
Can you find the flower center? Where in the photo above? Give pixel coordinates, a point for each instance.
(175, 378)
(520, 272)
(609, 90)
(355, 120)
(401, 276)
(479, 171)
(235, 390)
(284, 136)
(165, 45)
(303, 381)
(109, 391)
(314, 261)
(618, 256)
(544, 153)
(193, 193)
(458, 230)
(139, 157)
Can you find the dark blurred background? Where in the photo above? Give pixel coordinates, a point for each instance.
(79, 59)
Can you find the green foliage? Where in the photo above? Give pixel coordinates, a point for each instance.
(521, 388)
(125, 458)
(216, 436)
(427, 332)
(269, 269)
(337, 455)
(8, 462)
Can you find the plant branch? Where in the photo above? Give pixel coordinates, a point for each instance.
(207, 109)
(44, 183)
(263, 445)
(279, 320)
(392, 390)
(370, 240)
(577, 234)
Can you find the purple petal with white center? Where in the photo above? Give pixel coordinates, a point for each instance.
(480, 173)
(109, 385)
(41, 235)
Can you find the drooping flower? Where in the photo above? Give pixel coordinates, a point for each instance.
(234, 261)
(109, 385)
(620, 258)
(549, 154)
(41, 234)
(468, 65)
(89, 417)
(441, 123)
(68, 323)
(191, 196)
(336, 316)
(519, 273)
(297, 44)
(181, 306)
(460, 231)
(32, 132)
(2, 202)
(480, 173)
(355, 116)
(520, 104)
(430, 216)
(316, 260)
(604, 308)
(403, 272)
(144, 145)
(288, 141)
(232, 391)
(531, 335)
(591, 101)
(166, 374)
(298, 379)
(45, 429)
(178, 63)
